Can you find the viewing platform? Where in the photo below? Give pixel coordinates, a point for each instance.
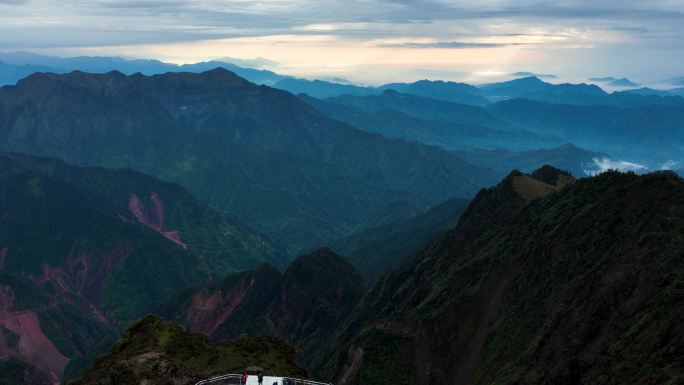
(236, 379)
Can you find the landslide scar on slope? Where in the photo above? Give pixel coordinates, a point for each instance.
(153, 217)
(21, 336)
(209, 310)
(79, 275)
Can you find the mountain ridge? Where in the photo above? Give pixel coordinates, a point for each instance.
(79, 245)
(504, 296)
(155, 351)
(302, 306)
(234, 144)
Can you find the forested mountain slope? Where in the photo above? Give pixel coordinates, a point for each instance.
(544, 280)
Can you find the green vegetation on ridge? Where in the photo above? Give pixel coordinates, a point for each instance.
(156, 352)
(83, 251)
(577, 285)
(260, 154)
(304, 306)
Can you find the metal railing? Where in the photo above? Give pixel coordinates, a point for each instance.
(236, 379)
(226, 379)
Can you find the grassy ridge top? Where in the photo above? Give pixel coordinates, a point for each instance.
(155, 351)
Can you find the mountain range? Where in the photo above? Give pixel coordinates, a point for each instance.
(503, 148)
(544, 279)
(651, 91)
(613, 82)
(450, 126)
(530, 87)
(184, 221)
(460, 93)
(17, 65)
(621, 132)
(525, 74)
(533, 88)
(526, 127)
(261, 154)
(678, 81)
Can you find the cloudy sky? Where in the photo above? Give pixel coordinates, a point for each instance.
(368, 41)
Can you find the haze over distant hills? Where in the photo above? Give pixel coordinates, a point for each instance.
(17, 65)
(525, 74)
(463, 133)
(678, 81)
(259, 153)
(613, 82)
(453, 116)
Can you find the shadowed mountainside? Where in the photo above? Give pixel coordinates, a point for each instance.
(304, 306)
(544, 280)
(83, 251)
(380, 249)
(449, 131)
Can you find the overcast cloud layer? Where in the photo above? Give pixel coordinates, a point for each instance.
(371, 41)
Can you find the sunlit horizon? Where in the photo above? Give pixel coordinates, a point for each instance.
(368, 42)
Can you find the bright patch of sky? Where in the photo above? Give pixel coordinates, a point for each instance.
(368, 41)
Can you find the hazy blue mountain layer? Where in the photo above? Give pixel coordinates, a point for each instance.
(261, 154)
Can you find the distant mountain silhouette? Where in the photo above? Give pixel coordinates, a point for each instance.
(574, 94)
(322, 89)
(414, 123)
(536, 89)
(21, 64)
(10, 73)
(646, 91)
(567, 156)
(526, 74)
(678, 81)
(460, 93)
(613, 82)
(630, 133)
